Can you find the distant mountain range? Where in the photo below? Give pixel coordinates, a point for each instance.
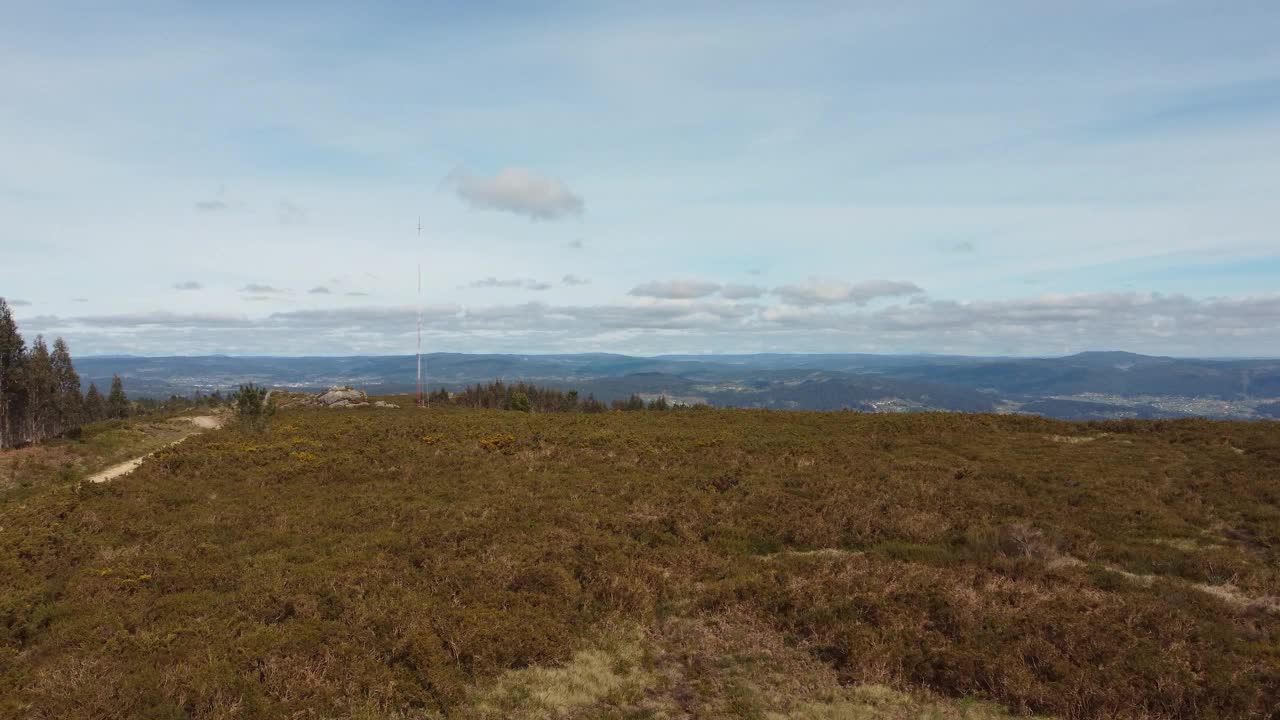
(1092, 385)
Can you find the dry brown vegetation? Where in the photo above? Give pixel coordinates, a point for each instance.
(93, 447)
(709, 563)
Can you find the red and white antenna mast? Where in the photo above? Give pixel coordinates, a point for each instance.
(420, 402)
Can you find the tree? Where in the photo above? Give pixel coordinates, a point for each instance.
(253, 406)
(68, 402)
(520, 402)
(592, 405)
(95, 407)
(12, 388)
(42, 392)
(117, 401)
(39, 390)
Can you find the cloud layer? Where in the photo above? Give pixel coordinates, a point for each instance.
(810, 292)
(837, 292)
(1050, 324)
(681, 289)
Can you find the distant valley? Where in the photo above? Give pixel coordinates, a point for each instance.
(1094, 385)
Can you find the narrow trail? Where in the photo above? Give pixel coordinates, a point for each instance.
(203, 422)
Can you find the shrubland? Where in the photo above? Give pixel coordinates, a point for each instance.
(88, 449)
(689, 563)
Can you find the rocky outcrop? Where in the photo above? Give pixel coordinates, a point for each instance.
(334, 397)
(337, 397)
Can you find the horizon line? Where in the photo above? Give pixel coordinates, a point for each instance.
(1033, 356)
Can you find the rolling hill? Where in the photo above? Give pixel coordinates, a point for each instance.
(1120, 384)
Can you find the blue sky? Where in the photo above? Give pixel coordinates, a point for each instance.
(969, 177)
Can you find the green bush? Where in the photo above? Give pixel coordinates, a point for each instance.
(253, 407)
(520, 402)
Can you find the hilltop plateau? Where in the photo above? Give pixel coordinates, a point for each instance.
(403, 563)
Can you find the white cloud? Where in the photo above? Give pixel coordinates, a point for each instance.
(319, 290)
(215, 204)
(288, 213)
(574, 280)
(837, 292)
(679, 289)
(493, 282)
(520, 191)
(188, 285)
(526, 283)
(260, 288)
(15, 302)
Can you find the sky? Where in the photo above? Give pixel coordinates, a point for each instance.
(993, 178)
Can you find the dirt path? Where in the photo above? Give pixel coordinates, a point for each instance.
(203, 422)
(206, 422)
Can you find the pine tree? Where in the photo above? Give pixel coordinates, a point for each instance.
(117, 401)
(592, 405)
(42, 391)
(68, 400)
(253, 406)
(520, 402)
(95, 408)
(12, 388)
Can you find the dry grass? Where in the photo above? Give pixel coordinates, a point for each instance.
(722, 666)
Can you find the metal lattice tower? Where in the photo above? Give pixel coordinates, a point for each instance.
(421, 402)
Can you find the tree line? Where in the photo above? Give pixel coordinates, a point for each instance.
(531, 398)
(40, 393)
